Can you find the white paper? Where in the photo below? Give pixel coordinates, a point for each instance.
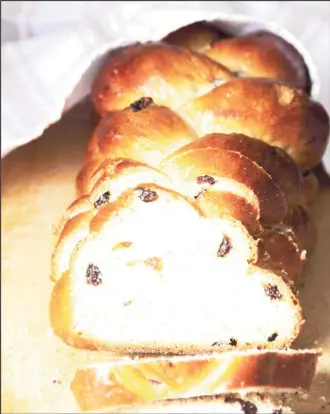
(52, 50)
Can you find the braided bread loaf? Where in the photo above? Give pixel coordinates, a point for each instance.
(191, 225)
(121, 382)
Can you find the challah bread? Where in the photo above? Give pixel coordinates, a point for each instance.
(272, 186)
(124, 382)
(258, 53)
(126, 134)
(282, 169)
(211, 100)
(191, 174)
(118, 177)
(226, 404)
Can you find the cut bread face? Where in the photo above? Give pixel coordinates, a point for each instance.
(122, 382)
(105, 184)
(154, 275)
(114, 177)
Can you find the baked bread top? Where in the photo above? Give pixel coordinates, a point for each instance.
(211, 99)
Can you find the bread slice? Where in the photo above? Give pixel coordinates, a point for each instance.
(283, 170)
(121, 382)
(225, 404)
(139, 280)
(193, 169)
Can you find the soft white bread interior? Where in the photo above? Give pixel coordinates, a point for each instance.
(140, 263)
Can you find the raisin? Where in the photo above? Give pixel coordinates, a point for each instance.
(141, 104)
(147, 195)
(272, 337)
(205, 179)
(224, 248)
(278, 411)
(273, 292)
(103, 199)
(247, 406)
(93, 275)
(232, 342)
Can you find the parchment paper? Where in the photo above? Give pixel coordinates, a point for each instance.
(37, 185)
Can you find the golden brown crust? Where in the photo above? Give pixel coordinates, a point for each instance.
(214, 204)
(259, 107)
(259, 54)
(185, 165)
(74, 230)
(262, 54)
(120, 383)
(146, 135)
(157, 99)
(169, 74)
(266, 110)
(280, 252)
(273, 160)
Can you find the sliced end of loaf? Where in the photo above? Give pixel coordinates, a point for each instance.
(141, 283)
(123, 382)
